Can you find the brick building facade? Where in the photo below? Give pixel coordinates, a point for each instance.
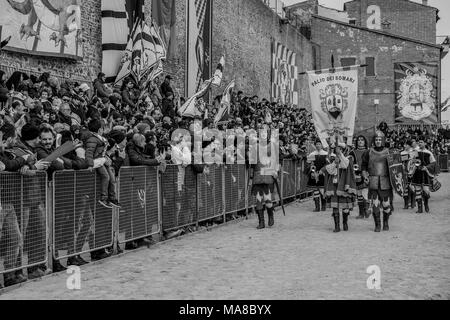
(378, 33)
(242, 31)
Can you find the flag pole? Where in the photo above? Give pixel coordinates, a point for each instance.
(334, 69)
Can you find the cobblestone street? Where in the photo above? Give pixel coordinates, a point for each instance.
(300, 258)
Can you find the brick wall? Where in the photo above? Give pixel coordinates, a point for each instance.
(407, 18)
(243, 31)
(344, 41)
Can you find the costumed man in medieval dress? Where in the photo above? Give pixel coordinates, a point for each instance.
(315, 162)
(375, 166)
(263, 175)
(340, 186)
(361, 151)
(407, 155)
(422, 177)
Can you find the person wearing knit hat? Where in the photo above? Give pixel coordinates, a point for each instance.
(117, 136)
(29, 133)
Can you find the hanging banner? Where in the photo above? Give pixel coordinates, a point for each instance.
(284, 75)
(334, 95)
(42, 27)
(416, 92)
(199, 34)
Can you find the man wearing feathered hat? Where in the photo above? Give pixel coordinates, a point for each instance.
(375, 166)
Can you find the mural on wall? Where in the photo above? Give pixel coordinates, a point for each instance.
(416, 92)
(42, 27)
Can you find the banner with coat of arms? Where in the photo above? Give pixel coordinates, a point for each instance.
(416, 92)
(334, 95)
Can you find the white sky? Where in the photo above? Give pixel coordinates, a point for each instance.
(443, 29)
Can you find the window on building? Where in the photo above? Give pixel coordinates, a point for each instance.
(347, 62)
(370, 69)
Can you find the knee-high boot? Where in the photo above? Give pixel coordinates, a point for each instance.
(386, 221)
(317, 204)
(345, 220)
(419, 206)
(324, 203)
(362, 209)
(406, 201)
(261, 221)
(426, 197)
(366, 209)
(377, 219)
(412, 196)
(337, 227)
(270, 215)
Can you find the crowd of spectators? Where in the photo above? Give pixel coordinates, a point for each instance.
(130, 126)
(437, 139)
(114, 127)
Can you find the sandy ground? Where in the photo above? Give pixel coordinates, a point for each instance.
(300, 258)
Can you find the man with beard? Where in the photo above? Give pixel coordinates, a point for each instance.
(34, 199)
(46, 148)
(358, 154)
(316, 161)
(375, 167)
(421, 180)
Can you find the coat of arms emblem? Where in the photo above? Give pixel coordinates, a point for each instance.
(334, 101)
(416, 95)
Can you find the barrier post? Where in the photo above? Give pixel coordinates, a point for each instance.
(49, 212)
(224, 206)
(160, 204)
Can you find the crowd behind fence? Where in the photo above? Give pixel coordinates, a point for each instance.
(43, 220)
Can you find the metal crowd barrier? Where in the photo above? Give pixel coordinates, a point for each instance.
(80, 223)
(444, 162)
(23, 221)
(41, 220)
(139, 191)
(178, 191)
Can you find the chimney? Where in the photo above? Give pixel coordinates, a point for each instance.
(425, 2)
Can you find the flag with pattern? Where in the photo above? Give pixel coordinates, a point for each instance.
(285, 83)
(199, 22)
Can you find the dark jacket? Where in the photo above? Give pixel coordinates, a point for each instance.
(100, 89)
(166, 89)
(128, 98)
(11, 162)
(137, 156)
(43, 153)
(95, 148)
(73, 162)
(168, 108)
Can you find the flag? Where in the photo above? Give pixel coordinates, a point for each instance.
(224, 112)
(199, 34)
(195, 106)
(118, 21)
(285, 83)
(217, 79)
(164, 15)
(334, 95)
(144, 51)
(416, 87)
